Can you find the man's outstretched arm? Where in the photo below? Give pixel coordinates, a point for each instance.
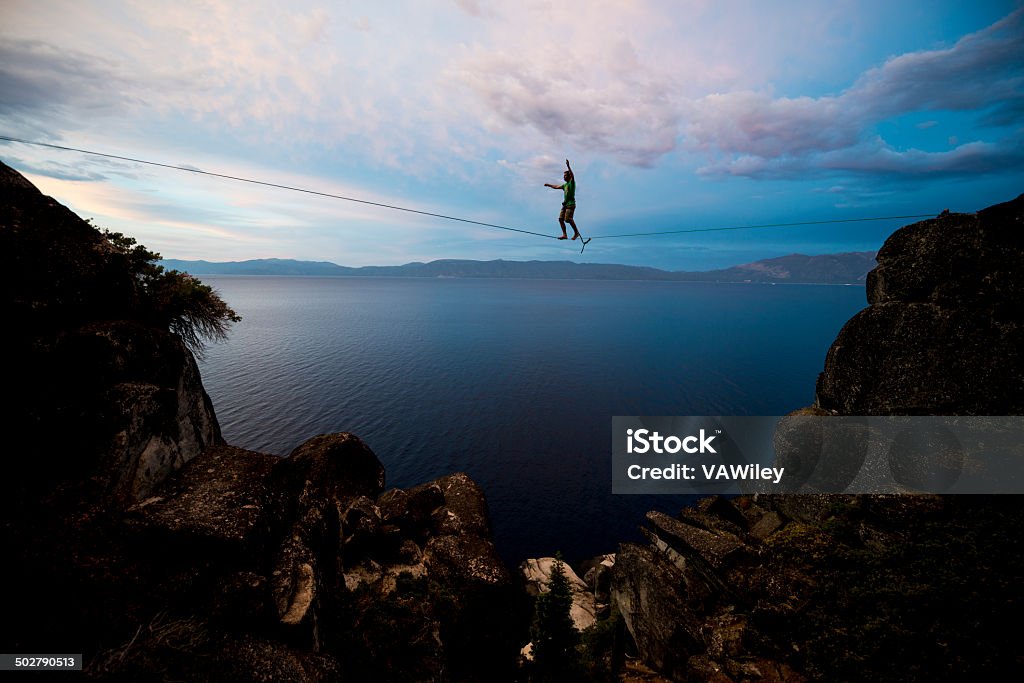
(568, 166)
(554, 187)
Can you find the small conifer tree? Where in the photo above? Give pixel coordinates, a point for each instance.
(554, 635)
(172, 299)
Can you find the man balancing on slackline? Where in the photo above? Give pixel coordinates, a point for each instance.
(568, 202)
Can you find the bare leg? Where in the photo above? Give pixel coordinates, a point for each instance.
(564, 235)
(576, 233)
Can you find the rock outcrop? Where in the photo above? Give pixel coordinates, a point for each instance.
(103, 399)
(944, 333)
(138, 537)
(308, 554)
(678, 594)
(793, 588)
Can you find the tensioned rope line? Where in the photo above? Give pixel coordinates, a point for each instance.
(268, 184)
(439, 215)
(767, 225)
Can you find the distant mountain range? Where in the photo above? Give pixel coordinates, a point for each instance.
(847, 268)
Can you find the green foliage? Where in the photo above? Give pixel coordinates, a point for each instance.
(597, 645)
(173, 299)
(554, 636)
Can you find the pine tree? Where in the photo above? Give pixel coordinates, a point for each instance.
(554, 635)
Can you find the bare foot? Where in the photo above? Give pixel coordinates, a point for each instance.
(576, 236)
(564, 237)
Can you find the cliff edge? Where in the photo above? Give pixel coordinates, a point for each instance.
(944, 332)
(137, 536)
(102, 399)
(867, 588)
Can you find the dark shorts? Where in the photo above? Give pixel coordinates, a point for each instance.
(566, 214)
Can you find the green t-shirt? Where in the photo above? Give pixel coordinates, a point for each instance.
(569, 188)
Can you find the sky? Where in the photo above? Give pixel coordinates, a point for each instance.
(676, 115)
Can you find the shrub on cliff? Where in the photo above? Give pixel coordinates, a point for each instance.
(172, 299)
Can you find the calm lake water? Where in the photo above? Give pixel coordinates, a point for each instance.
(513, 381)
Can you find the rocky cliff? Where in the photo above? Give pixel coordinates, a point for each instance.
(944, 333)
(793, 588)
(101, 398)
(135, 535)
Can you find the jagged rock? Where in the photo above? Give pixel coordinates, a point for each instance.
(704, 669)
(701, 581)
(712, 548)
(186, 648)
(762, 670)
(463, 562)
(721, 510)
(133, 421)
(383, 579)
(218, 500)
(360, 523)
(411, 510)
(409, 553)
(154, 417)
(335, 467)
(296, 588)
(597, 574)
(432, 562)
(768, 524)
(537, 573)
(724, 635)
(652, 601)
(805, 507)
(155, 430)
(484, 620)
(319, 481)
(298, 599)
(465, 508)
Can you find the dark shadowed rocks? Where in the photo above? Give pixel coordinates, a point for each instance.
(955, 260)
(597, 576)
(650, 594)
(106, 400)
(833, 587)
(335, 467)
(824, 588)
(218, 500)
(944, 333)
(304, 554)
(138, 537)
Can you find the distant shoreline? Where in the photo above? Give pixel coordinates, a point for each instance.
(523, 279)
(831, 269)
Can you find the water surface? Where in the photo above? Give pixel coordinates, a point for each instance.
(513, 381)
